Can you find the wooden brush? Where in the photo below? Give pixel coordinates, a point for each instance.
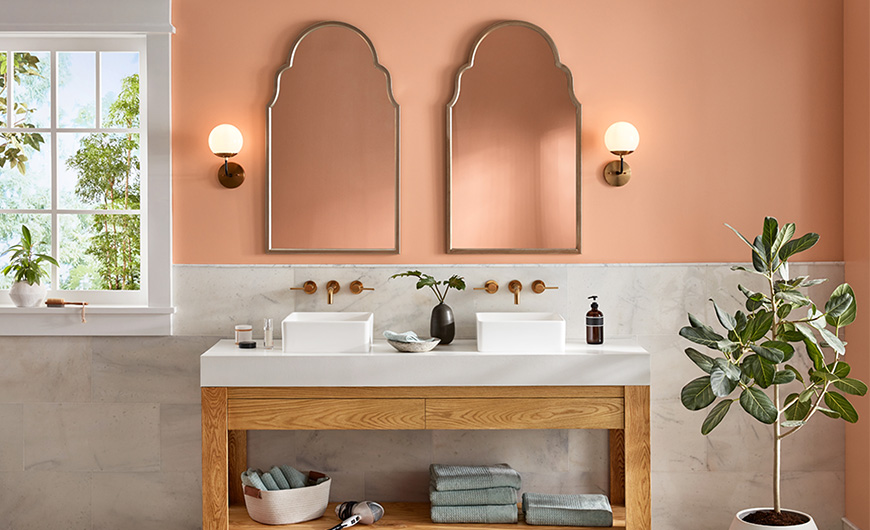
(60, 302)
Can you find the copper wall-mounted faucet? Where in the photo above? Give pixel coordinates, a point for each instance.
(332, 287)
(515, 286)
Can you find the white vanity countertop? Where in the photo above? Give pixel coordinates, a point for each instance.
(616, 362)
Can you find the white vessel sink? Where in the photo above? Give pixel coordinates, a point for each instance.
(520, 332)
(327, 332)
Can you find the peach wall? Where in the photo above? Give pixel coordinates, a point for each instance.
(856, 235)
(736, 102)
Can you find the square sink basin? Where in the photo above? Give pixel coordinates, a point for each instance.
(327, 332)
(520, 332)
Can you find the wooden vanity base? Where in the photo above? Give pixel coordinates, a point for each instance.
(229, 412)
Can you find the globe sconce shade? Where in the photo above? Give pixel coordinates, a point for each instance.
(621, 139)
(226, 141)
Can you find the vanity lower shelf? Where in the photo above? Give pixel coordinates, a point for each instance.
(411, 515)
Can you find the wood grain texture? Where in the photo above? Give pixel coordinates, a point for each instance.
(617, 466)
(214, 459)
(424, 392)
(238, 462)
(637, 458)
(403, 515)
(534, 413)
(326, 414)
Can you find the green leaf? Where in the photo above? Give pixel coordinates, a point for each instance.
(728, 322)
(771, 354)
(704, 362)
(841, 406)
(797, 374)
(783, 377)
(720, 383)
(833, 341)
(790, 248)
(798, 410)
(758, 405)
(806, 394)
(837, 304)
(812, 345)
(793, 297)
(697, 394)
(829, 413)
(839, 368)
(783, 310)
(740, 318)
(768, 236)
(759, 369)
(788, 424)
(848, 315)
(786, 232)
(851, 386)
(759, 261)
(715, 416)
(754, 249)
(786, 348)
(758, 325)
(702, 336)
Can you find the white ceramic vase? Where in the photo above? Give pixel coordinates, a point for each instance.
(739, 524)
(25, 295)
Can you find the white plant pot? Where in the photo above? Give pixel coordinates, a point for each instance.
(25, 295)
(739, 524)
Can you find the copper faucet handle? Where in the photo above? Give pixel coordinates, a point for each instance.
(538, 286)
(309, 287)
(491, 287)
(356, 287)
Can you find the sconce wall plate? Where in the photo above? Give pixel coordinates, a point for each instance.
(235, 177)
(613, 176)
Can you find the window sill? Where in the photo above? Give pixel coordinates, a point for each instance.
(101, 321)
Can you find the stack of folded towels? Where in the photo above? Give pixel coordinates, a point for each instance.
(567, 510)
(280, 478)
(473, 494)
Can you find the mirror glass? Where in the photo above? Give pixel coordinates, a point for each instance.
(514, 147)
(333, 139)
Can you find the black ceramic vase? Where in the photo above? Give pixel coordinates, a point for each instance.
(441, 324)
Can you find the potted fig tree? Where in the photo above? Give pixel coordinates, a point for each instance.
(25, 267)
(754, 360)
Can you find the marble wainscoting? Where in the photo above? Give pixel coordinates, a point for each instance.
(102, 432)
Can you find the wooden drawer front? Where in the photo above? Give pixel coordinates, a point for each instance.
(326, 414)
(571, 413)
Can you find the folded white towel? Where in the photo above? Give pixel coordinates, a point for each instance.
(408, 336)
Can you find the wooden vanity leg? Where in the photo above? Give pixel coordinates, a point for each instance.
(238, 459)
(637, 459)
(617, 466)
(215, 507)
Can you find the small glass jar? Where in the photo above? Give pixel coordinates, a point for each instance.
(244, 332)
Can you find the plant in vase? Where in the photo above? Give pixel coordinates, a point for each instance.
(25, 267)
(754, 354)
(441, 323)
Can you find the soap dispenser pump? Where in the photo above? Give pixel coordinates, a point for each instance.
(594, 323)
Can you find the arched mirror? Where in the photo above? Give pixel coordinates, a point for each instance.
(513, 163)
(333, 147)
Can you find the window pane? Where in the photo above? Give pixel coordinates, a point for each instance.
(76, 89)
(99, 252)
(10, 234)
(25, 177)
(98, 171)
(119, 89)
(32, 89)
(4, 65)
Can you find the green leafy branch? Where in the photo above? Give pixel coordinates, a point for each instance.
(25, 263)
(424, 280)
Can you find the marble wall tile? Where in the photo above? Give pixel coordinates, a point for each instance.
(11, 437)
(397, 486)
(91, 437)
(180, 438)
(45, 369)
(596, 481)
(347, 486)
(148, 369)
(363, 451)
(211, 300)
(39, 500)
(145, 501)
(272, 448)
(532, 450)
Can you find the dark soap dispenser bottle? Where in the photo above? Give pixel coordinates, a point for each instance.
(594, 324)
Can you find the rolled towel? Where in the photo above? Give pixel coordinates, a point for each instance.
(279, 478)
(408, 336)
(295, 478)
(251, 478)
(472, 497)
(567, 510)
(450, 478)
(270, 483)
(492, 514)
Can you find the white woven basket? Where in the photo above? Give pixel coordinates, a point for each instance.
(288, 506)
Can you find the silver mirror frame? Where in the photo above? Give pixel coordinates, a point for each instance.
(449, 151)
(288, 65)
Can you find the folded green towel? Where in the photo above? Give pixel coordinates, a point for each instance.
(567, 510)
(493, 514)
(295, 478)
(251, 478)
(482, 497)
(449, 478)
(270, 483)
(279, 478)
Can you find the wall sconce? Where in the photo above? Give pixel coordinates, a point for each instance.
(621, 139)
(225, 141)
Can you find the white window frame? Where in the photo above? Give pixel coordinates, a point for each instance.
(149, 310)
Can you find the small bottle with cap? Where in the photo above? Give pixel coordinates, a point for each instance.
(594, 323)
(267, 334)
